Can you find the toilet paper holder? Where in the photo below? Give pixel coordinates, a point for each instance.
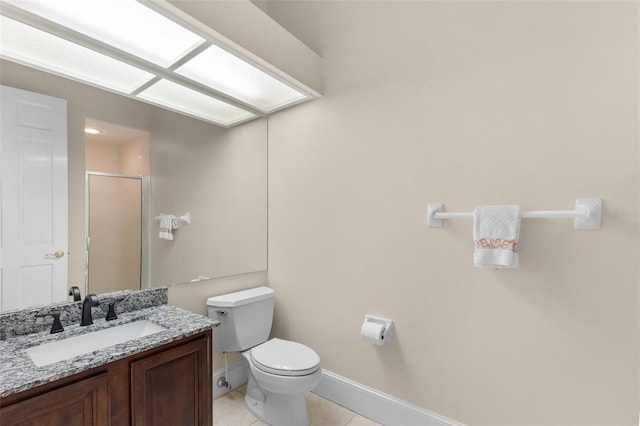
(387, 324)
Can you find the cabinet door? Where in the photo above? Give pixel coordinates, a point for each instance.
(83, 403)
(173, 387)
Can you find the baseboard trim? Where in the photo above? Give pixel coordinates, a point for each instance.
(375, 405)
(237, 377)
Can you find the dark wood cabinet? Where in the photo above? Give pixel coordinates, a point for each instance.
(83, 403)
(168, 385)
(168, 388)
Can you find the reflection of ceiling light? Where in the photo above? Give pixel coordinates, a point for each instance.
(126, 25)
(130, 48)
(35, 48)
(92, 131)
(196, 104)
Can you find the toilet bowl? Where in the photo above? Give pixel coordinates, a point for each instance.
(280, 372)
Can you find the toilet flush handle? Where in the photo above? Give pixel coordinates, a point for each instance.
(221, 313)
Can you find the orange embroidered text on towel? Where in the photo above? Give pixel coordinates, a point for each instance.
(497, 243)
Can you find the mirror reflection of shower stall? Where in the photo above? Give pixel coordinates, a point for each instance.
(117, 217)
(115, 231)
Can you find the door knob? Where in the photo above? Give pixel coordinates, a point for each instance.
(57, 254)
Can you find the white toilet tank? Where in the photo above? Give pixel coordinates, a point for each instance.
(245, 318)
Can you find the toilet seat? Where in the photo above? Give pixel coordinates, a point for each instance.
(285, 358)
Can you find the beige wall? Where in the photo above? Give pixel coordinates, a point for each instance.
(181, 148)
(135, 158)
(102, 157)
(109, 154)
(219, 176)
(466, 103)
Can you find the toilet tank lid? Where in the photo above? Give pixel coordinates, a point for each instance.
(240, 298)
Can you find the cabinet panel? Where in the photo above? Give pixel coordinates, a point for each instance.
(167, 385)
(83, 403)
(173, 387)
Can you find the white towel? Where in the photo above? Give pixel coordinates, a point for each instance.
(496, 230)
(166, 226)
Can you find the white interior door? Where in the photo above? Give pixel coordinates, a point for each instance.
(33, 149)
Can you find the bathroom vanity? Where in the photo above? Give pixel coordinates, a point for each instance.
(161, 378)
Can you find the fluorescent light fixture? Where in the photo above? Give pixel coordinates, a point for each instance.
(182, 99)
(36, 48)
(92, 131)
(125, 24)
(227, 73)
(129, 48)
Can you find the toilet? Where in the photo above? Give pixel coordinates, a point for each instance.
(280, 372)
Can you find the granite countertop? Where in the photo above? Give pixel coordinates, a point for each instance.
(19, 373)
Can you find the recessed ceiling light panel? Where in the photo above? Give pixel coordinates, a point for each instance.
(227, 73)
(33, 47)
(182, 99)
(127, 47)
(125, 24)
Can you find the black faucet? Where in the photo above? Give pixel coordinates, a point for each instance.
(90, 301)
(75, 292)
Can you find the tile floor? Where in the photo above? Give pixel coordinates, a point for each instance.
(229, 410)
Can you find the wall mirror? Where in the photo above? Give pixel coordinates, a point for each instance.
(219, 175)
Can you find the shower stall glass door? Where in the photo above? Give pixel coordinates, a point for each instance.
(117, 230)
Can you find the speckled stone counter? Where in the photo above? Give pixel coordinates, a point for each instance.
(18, 373)
(38, 318)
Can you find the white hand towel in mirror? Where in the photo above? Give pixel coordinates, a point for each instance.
(496, 230)
(166, 226)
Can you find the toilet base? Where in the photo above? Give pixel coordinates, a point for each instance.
(276, 409)
(282, 410)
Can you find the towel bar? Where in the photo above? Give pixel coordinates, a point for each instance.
(186, 218)
(587, 215)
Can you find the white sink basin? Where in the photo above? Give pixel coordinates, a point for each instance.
(60, 350)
